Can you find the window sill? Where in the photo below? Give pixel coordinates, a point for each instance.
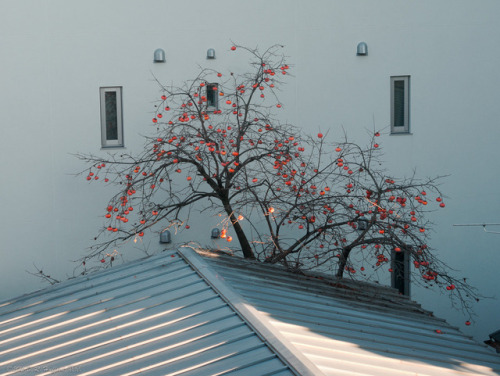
(400, 134)
(112, 147)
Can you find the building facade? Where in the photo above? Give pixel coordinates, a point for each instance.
(429, 82)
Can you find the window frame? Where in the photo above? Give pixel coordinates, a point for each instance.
(405, 129)
(209, 86)
(105, 143)
(401, 272)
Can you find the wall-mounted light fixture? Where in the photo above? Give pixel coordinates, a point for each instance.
(362, 224)
(210, 53)
(159, 56)
(165, 236)
(215, 233)
(362, 49)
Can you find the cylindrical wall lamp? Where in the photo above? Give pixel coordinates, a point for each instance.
(210, 53)
(165, 236)
(159, 56)
(362, 49)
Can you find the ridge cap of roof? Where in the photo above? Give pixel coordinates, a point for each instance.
(364, 289)
(281, 346)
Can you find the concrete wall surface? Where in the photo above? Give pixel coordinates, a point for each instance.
(55, 54)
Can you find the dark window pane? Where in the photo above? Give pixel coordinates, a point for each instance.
(111, 116)
(212, 92)
(399, 103)
(400, 273)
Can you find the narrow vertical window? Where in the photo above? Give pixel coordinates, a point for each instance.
(400, 104)
(213, 96)
(400, 277)
(111, 116)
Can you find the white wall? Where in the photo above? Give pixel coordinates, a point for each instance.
(57, 53)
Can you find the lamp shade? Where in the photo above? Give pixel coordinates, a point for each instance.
(159, 56)
(210, 53)
(165, 237)
(362, 49)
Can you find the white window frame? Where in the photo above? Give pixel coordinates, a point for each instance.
(119, 116)
(406, 105)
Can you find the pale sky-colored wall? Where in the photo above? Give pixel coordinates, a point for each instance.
(57, 53)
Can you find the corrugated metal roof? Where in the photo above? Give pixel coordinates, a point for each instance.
(352, 328)
(156, 316)
(184, 313)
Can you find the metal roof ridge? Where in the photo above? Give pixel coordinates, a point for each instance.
(389, 299)
(281, 346)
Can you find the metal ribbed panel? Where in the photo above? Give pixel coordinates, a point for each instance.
(156, 316)
(351, 328)
(180, 314)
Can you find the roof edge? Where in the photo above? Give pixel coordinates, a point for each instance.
(298, 363)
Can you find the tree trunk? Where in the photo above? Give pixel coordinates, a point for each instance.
(242, 238)
(343, 261)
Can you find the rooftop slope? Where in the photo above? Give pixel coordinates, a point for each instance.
(188, 313)
(157, 316)
(353, 328)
